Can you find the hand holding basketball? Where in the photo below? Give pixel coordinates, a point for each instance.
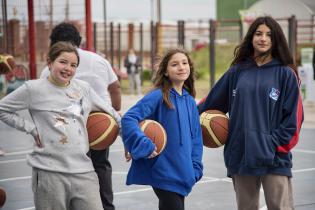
(214, 125)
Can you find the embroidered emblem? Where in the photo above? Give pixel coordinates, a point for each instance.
(274, 94)
(234, 92)
(64, 140)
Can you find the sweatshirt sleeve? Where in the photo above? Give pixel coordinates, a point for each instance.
(98, 104)
(134, 139)
(218, 97)
(13, 102)
(286, 135)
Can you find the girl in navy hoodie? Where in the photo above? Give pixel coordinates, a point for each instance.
(261, 94)
(172, 173)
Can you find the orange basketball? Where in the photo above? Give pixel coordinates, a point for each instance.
(102, 130)
(154, 131)
(214, 125)
(3, 197)
(7, 63)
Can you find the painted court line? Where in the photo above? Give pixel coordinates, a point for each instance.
(12, 161)
(304, 151)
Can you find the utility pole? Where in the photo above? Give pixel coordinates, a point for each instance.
(51, 10)
(159, 13)
(159, 28)
(67, 10)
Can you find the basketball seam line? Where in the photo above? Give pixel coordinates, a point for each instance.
(145, 124)
(104, 135)
(215, 139)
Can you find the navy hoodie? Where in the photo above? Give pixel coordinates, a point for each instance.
(266, 113)
(179, 165)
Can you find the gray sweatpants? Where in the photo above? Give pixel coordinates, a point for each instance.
(63, 191)
(277, 191)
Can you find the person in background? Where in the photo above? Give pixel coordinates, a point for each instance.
(96, 71)
(63, 176)
(261, 94)
(132, 63)
(174, 172)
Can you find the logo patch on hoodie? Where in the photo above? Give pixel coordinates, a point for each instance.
(274, 94)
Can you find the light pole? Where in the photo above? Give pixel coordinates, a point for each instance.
(152, 10)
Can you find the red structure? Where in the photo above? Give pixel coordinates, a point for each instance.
(31, 38)
(88, 22)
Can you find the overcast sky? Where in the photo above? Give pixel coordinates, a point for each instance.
(117, 10)
(171, 9)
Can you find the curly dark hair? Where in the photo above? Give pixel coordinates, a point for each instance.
(65, 32)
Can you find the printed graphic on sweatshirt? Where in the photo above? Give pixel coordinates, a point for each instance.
(274, 94)
(60, 121)
(76, 103)
(64, 140)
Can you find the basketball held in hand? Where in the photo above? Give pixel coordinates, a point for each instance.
(102, 130)
(154, 131)
(7, 63)
(215, 126)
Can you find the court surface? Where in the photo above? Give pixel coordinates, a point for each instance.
(214, 191)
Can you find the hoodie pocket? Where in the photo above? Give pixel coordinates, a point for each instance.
(259, 149)
(173, 171)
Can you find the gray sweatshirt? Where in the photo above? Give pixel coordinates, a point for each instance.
(59, 116)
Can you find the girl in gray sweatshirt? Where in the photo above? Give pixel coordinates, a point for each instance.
(63, 175)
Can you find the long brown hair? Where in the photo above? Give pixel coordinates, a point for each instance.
(279, 49)
(165, 84)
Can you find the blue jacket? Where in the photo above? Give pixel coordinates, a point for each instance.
(179, 165)
(266, 113)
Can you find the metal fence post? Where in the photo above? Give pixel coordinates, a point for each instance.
(112, 43)
(153, 43)
(181, 33)
(292, 35)
(212, 30)
(119, 45)
(95, 36)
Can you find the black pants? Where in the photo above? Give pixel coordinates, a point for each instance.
(169, 200)
(103, 169)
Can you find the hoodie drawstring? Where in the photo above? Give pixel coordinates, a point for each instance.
(178, 117)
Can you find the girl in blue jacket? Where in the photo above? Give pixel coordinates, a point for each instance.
(261, 94)
(172, 173)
